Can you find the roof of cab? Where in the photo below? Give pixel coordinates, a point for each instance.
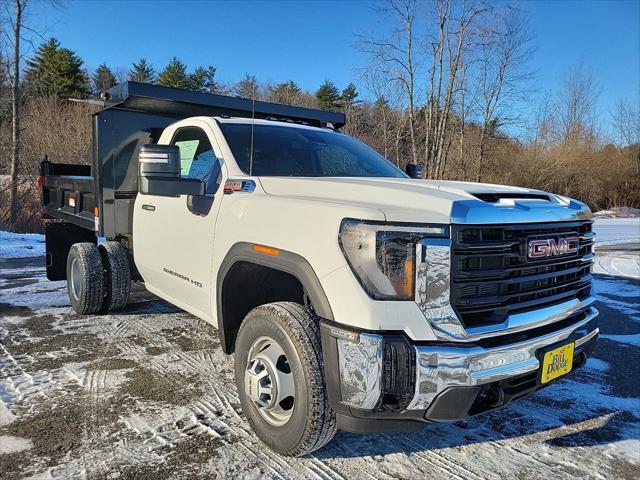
(259, 121)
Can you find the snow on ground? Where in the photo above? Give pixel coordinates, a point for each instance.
(613, 261)
(9, 444)
(618, 262)
(19, 245)
(617, 230)
(148, 393)
(616, 294)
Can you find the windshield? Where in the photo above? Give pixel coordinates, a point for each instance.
(302, 152)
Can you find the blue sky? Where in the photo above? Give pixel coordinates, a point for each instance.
(312, 41)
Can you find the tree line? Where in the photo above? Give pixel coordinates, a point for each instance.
(59, 72)
(450, 87)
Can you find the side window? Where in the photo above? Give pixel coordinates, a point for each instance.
(197, 159)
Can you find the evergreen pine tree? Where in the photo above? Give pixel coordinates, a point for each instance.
(203, 80)
(103, 79)
(56, 71)
(328, 96)
(248, 88)
(349, 95)
(143, 72)
(381, 103)
(287, 93)
(175, 75)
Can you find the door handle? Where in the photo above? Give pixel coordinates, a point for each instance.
(149, 208)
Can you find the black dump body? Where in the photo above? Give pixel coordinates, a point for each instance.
(99, 198)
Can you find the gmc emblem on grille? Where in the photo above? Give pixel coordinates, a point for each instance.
(550, 247)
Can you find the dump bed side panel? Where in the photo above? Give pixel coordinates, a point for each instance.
(68, 193)
(68, 203)
(118, 136)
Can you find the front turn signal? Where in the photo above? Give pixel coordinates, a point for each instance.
(266, 250)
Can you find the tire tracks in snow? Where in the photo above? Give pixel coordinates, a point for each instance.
(221, 399)
(216, 406)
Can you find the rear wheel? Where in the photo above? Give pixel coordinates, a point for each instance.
(85, 278)
(117, 276)
(280, 378)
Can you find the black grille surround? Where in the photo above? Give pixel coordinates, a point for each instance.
(492, 276)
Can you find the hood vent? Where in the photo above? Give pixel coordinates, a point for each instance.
(497, 197)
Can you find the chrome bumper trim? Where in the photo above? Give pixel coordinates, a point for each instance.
(433, 288)
(360, 363)
(535, 318)
(439, 368)
(586, 338)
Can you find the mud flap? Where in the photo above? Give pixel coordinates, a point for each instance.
(59, 237)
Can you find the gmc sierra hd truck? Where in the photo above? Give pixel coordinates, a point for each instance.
(351, 295)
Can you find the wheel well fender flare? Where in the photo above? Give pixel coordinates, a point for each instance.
(285, 261)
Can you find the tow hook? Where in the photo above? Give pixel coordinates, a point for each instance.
(495, 397)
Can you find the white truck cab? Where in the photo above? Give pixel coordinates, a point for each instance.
(351, 295)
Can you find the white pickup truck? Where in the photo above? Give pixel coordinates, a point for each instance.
(352, 296)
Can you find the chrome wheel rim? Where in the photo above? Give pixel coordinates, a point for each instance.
(76, 276)
(268, 381)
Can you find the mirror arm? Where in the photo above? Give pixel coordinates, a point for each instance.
(414, 170)
(200, 204)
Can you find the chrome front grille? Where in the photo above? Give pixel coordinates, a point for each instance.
(493, 278)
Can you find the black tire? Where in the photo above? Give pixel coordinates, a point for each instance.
(117, 276)
(312, 423)
(85, 278)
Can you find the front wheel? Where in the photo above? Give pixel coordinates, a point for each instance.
(280, 378)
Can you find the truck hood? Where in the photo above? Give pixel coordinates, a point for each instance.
(430, 201)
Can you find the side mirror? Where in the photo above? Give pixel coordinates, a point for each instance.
(159, 161)
(414, 170)
(159, 173)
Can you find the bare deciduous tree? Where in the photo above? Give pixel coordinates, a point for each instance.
(626, 123)
(501, 74)
(395, 58)
(449, 47)
(576, 104)
(387, 124)
(16, 26)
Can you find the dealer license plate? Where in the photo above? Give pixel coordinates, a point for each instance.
(557, 362)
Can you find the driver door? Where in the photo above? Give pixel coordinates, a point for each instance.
(173, 236)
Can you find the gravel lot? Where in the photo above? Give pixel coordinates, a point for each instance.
(149, 394)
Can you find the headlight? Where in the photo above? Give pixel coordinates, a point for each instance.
(382, 256)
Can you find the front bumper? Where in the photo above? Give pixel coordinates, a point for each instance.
(383, 382)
